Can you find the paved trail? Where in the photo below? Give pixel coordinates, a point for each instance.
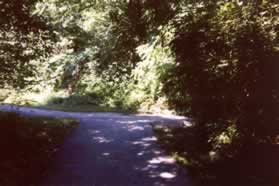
(110, 149)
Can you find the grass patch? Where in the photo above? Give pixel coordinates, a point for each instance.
(87, 103)
(79, 108)
(28, 145)
(101, 101)
(74, 103)
(252, 165)
(83, 108)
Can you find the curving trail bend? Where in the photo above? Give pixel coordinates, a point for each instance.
(111, 149)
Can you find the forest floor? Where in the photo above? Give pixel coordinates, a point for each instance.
(111, 149)
(28, 145)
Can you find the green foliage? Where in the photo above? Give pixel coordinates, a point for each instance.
(103, 48)
(226, 66)
(156, 61)
(256, 165)
(23, 38)
(215, 61)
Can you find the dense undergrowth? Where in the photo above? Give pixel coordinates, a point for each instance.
(215, 61)
(28, 145)
(231, 163)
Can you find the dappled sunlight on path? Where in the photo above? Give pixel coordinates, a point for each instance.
(110, 149)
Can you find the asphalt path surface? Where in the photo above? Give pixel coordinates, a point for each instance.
(111, 149)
